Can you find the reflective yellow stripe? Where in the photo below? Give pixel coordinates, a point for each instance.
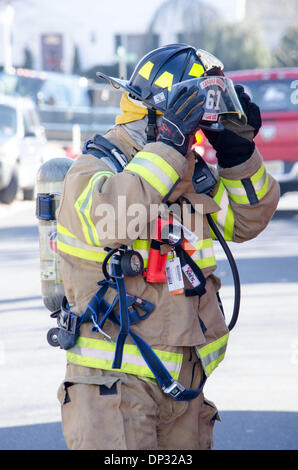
(237, 191)
(81, 252)
(258, 175)
(206, 262)
(68, 243)
(71, 245)
(213, 353)
(203, 244)
(149, 177)
(155, 170)
(99, 354)
(64, 231)
(83, 208)
(142, 247)
(161, 164)
(204, 256)
(224, 218)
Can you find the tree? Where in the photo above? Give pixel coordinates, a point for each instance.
(239, 46)
(286, 54)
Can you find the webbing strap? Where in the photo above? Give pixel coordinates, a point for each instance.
(124, 323)
(192, 272)
(170, 386)
(101, 148)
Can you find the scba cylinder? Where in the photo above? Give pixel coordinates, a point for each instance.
(49, 185)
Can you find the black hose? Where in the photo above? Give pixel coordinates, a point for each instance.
(105, 262)
(234, 272)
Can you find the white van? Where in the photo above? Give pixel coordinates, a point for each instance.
(22, 147)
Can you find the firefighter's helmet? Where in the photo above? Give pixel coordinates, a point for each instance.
(162, 72)
(163, 68)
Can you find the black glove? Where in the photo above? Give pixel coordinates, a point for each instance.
(232, 149)
(181, 121)
(251, 110)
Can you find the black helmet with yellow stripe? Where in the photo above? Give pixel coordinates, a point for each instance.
(159, 70)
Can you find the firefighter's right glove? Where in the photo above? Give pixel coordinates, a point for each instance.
(181, 121)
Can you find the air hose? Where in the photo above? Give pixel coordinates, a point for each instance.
(234, 269)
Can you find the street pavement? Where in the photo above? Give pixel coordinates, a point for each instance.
(255, 389)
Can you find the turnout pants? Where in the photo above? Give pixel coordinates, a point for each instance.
(109, 410)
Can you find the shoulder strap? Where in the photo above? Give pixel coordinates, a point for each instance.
(102, 148)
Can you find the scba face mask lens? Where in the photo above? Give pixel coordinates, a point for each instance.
(221, 101)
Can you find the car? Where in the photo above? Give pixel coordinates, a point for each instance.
(64, 101)
(22, 147)
(276, 93)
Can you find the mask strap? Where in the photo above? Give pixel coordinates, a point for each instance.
(150, 129)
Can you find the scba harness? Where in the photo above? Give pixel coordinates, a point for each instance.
(99, 310)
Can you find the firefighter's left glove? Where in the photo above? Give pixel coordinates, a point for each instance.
(251, 109)
(181, 121)
(231, 148)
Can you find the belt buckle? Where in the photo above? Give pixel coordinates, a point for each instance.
(174, 390)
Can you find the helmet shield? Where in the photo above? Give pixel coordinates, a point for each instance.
(221, 100)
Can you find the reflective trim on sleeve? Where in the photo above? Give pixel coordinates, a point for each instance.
(155, 170)
(204, 255)
(69, 244)
(224, 218)
(99, 354)
(238, 192)
(83, 208)
(212, 354)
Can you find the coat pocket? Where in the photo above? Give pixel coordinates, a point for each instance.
(91, 415)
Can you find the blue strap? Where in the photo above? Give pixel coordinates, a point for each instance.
(170, 387)
(124, 323)
(101, 148)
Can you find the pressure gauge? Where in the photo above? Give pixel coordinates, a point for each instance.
(132, 263)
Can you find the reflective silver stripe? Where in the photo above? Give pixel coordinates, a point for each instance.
(213, 353)
(201, 254)
(213, 356)
(76, 243)
(166, 180)
(259, 185)
(222, 214)
(236, 191)
(127, 358)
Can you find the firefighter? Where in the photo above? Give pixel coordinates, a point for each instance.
(126, 409)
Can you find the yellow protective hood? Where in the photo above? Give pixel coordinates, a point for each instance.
(131, 111)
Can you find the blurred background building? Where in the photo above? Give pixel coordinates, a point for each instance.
(79, 37)
(51, 51)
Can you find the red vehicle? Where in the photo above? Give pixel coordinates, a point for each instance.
(275, 91)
